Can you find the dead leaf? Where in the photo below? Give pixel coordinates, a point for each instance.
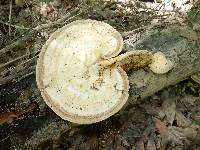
(150, 145)
(140, 145)
(167, 135)
(155, 111)
(162, 129)
(123, 140)
(169, 107)
(183, 133)
(161, 126)
(181, 120)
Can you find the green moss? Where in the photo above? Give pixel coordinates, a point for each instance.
(188, 87)
(194, 13)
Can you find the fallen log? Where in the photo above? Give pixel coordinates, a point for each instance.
(180, 44)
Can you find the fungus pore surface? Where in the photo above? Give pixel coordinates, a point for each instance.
(67, 73)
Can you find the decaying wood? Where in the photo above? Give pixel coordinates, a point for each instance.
(179, 43)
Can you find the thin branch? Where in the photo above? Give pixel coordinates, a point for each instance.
(16, 59)
(10, 16)
(124, 34)
(19, 68)
(46, 25)
(6, 137)
(18, 75)
(72, 17)
(24, 76)
(16, 43)
(15, 26)
(57, 22)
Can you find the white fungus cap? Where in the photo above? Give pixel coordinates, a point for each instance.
(66, 73)
(160, 64)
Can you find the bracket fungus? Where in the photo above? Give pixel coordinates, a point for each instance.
(79, 75)
(160, 64)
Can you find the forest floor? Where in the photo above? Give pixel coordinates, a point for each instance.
(169, 119)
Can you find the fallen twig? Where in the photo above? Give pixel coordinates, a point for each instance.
(18, 75)
(16, 43)
(14, 60)
(10, 15)
(57, 22)
(14, 26)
